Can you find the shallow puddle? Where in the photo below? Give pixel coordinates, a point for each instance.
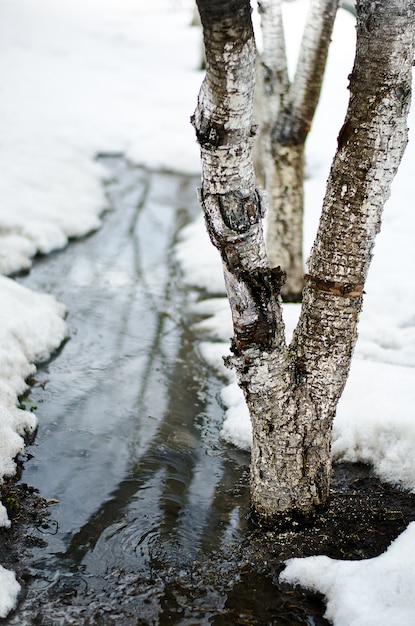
(149, 523)
(152, 505)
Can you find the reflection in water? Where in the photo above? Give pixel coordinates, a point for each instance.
(152, 504)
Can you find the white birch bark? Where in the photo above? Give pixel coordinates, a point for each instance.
(232, 204)
(292, 392)
(286, 115)
(370, 146)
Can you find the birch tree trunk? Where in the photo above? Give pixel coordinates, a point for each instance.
(286, 111)
(292, 391)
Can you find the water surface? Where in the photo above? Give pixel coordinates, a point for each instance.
(152, 506)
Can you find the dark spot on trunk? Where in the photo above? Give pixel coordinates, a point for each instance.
(403, 94)
(371, 23)
(208, 135)
(290, 130)
(345, 134)
(240, 210)
(299, 371)
(264, 285)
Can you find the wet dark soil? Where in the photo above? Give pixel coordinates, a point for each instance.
(360, 521)
(27, 511)
(139, 512)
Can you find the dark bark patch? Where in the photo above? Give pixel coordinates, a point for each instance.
(240, 210)
(299, 371)
(271, 79)
(322, 483)
(208, 134)
(345, 290)
(403, 94)
(225, 21)
(345, 134)
(290, 130)
(211, 135)
(264, 285)
(372, 23)
(259, 334)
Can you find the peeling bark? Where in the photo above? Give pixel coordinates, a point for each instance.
(292, 391)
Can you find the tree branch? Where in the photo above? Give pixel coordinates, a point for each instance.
(294, 121)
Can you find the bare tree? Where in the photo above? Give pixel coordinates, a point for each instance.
(285, 113)
(292, 390)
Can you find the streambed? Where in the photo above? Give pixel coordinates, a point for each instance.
(149, 517)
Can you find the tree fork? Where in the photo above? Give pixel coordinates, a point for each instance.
(292, 392)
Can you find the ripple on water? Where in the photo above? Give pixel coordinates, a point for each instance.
(152, 504)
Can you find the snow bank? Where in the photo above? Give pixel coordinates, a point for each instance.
(375, 421)
(31, 328)
(199, 260)
(79, 78)
(375, 592)
(9, 590)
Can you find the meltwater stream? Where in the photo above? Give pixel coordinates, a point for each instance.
(152, 505)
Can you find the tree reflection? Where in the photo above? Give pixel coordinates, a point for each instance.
(130, 430)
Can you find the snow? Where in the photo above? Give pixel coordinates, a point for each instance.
(31, 328)
(9, 590)
(79, 77)
(375, 592)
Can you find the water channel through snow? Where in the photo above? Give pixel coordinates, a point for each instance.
(152, 506)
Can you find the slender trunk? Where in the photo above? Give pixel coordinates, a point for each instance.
(233, 206)
(288, 110)
(292, 391)
(285, 187)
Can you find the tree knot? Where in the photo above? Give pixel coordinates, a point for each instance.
(240, 209)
